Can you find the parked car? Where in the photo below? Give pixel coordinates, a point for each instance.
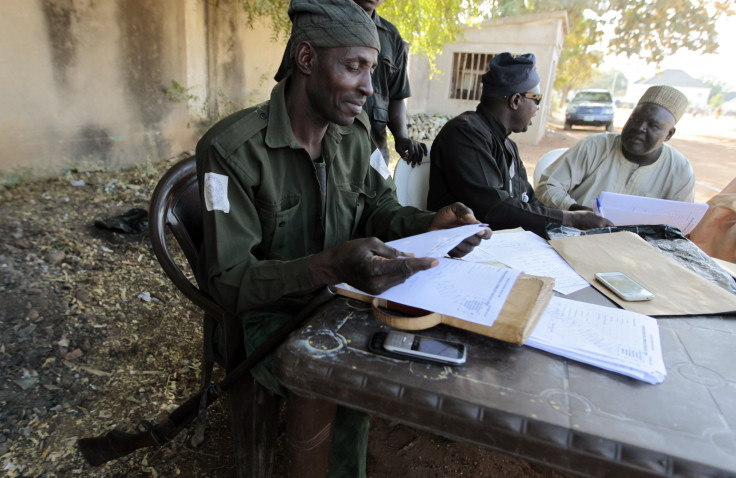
(591, 108)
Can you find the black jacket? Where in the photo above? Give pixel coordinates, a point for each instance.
(474, 162)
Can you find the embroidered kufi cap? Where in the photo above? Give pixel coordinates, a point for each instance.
(669, 98)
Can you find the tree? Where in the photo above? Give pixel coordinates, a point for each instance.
(716, 88)
(427, 25)
(613, 80)
(648, 29)
(652, 30)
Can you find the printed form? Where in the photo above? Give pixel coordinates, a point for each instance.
(613, 339)
(467, 291)
(531, 254)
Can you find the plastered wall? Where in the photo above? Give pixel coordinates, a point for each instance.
(541, 34)
(83, 82)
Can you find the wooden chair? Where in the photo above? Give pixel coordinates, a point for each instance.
(176, 207)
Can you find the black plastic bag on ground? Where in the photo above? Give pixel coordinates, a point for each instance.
(132, 222)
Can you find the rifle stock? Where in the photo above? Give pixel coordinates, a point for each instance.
(117, 444)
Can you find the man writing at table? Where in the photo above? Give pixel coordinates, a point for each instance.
(474, 161)
(294, 189)
(636, 161)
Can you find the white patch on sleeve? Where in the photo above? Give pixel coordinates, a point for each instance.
(379, 164)
(215, 192)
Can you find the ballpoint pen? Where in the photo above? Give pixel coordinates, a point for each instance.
(598, 206)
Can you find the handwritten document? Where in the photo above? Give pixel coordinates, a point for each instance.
(468, 291)
(531, 254)
(613, 339)
(628, 210)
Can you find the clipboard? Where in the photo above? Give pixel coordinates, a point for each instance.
(524, 306)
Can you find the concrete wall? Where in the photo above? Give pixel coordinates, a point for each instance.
(83, 82)
(541, 34)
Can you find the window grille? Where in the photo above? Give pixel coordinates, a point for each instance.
(467, 69)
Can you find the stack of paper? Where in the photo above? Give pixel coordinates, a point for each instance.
(613, 339)
(525, 251)
(472, 292)
(628, 210)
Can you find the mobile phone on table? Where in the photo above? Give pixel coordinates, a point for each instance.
(407, 345)
(624, 286)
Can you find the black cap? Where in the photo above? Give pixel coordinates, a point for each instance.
(507, 75)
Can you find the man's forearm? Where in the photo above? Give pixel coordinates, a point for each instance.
(397, 118)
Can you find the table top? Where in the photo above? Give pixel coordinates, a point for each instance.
(533, 404)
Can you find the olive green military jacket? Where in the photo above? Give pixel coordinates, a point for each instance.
(263, 211)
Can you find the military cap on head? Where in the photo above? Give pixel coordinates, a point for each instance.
(669, 98)
(507, 75)
(331, 23)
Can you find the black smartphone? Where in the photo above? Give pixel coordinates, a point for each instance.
(406, 345)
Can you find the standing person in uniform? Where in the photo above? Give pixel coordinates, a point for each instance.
(297, 197)
(386, 106)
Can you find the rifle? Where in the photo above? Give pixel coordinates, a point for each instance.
(116, 444)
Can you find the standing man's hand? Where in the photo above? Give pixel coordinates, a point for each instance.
(410, 151)
(458, 214)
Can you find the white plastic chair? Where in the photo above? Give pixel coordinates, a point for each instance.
(547, 158)
(412, 184)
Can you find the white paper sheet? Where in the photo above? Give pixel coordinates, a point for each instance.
(685, 215)
(472, 292)
(627, 217)
(436, 243)
(613, 339)
(531, 254)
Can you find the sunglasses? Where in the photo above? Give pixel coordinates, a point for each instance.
(536, 97)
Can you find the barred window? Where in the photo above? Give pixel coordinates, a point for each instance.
(467, 69)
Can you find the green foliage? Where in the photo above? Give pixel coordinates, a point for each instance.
(275, 10)
(178, 93)
(613, 80)
(716, 100)
(428, 25)
(716, 87)
(653, 30)
(649, 29)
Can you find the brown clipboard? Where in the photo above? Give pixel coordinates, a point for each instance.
(527, 300)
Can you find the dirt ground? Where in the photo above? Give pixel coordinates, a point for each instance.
(94, 336)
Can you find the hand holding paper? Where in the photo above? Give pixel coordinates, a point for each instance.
(628, 210)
